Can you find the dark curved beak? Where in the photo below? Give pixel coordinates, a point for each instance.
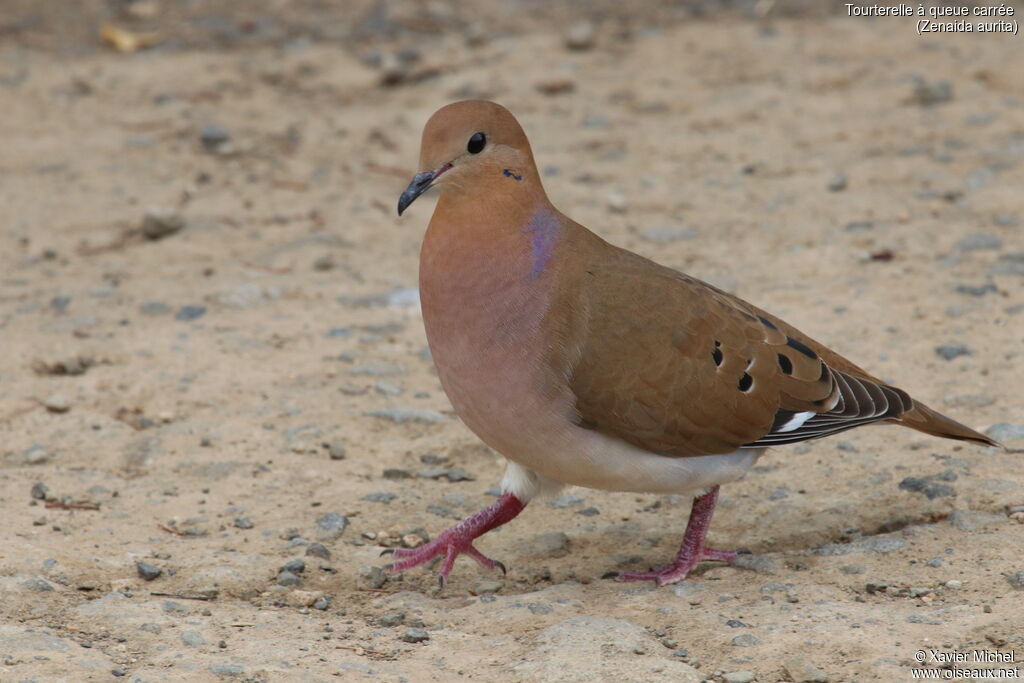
(421, 182)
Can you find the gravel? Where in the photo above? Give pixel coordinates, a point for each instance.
(745, 640)
(403, 415)
(951, 351)
(286, 578)
(148, 571)
(318, 550)
(414, 635)
(331, 526)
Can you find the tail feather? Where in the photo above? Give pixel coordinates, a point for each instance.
(924, 419)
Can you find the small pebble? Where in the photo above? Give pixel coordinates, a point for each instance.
(738, 677)
(929, 93)
(580, 36)
(837, 183)
(214, 137)
(286, 578)
(488, 586)
(294, 566)
(57, 403)
(159, 222)
(186, 313)
(391, 619)
(978, 241)
(415, 635)
(951, 351)
(318, 550)
(745, 640)
(39, 491)
(1016, 580)
(336, 451)
(243, 523)
(148, 571)
(331, 526)
(372, 577)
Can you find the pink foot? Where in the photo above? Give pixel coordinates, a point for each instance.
(691, 552)
(459, 540)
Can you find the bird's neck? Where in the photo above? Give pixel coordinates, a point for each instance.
(509, 233)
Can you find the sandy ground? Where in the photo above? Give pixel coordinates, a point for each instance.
(212, 400)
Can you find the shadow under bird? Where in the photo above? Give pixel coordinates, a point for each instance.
(586, 364)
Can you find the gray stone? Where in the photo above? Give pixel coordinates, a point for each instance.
(802, 671)
(929, 93)
(738, 677)
(159, 222)
(687, 588)
(39, 491)
(565, 502)
(838, 182)
(382, 497)
(403, 415)
(35, 584)
(192, 639)
(57, 403)
(415, 635)
(391, 619)
(148, 571)
(318, 550)
(227, 669)
(1005, 431)
(336, 450)
(214, 137)
(372, 577)
(745, 640)
(951, 351)
(331, 526)
(972, 520)
(450, 473)
(186, 313)
(1016, 580)
(488, 586)
(978, 241)
(925, 486)
(294, 566)
(581, 35)
(243, 523)
(286, 578)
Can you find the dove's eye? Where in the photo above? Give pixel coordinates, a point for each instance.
(476, 143)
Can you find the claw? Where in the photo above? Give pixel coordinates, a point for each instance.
(610, 575)
(501, 566)
(387, 551)
(388, 567)
(441, 582)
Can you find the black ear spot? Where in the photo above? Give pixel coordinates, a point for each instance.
(746, 382)
(801, 347)
(786, 364)
(476, 143)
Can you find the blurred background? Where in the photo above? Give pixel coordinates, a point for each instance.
(216, 402)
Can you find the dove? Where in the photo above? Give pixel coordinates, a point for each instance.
(586, 364)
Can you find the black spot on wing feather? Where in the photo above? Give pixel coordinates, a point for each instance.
(785, 364)
(801, 347)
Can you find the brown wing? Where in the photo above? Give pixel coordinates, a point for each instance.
(688, 369)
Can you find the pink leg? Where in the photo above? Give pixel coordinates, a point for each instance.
(459, 539)
(692, 550)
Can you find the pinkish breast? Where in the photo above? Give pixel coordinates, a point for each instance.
(484, 304)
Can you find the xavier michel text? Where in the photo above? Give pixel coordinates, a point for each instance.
(945, 19)
(974, 656)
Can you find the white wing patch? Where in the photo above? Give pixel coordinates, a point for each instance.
(796, 421)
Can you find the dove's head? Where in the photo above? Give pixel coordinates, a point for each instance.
(468, 146)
